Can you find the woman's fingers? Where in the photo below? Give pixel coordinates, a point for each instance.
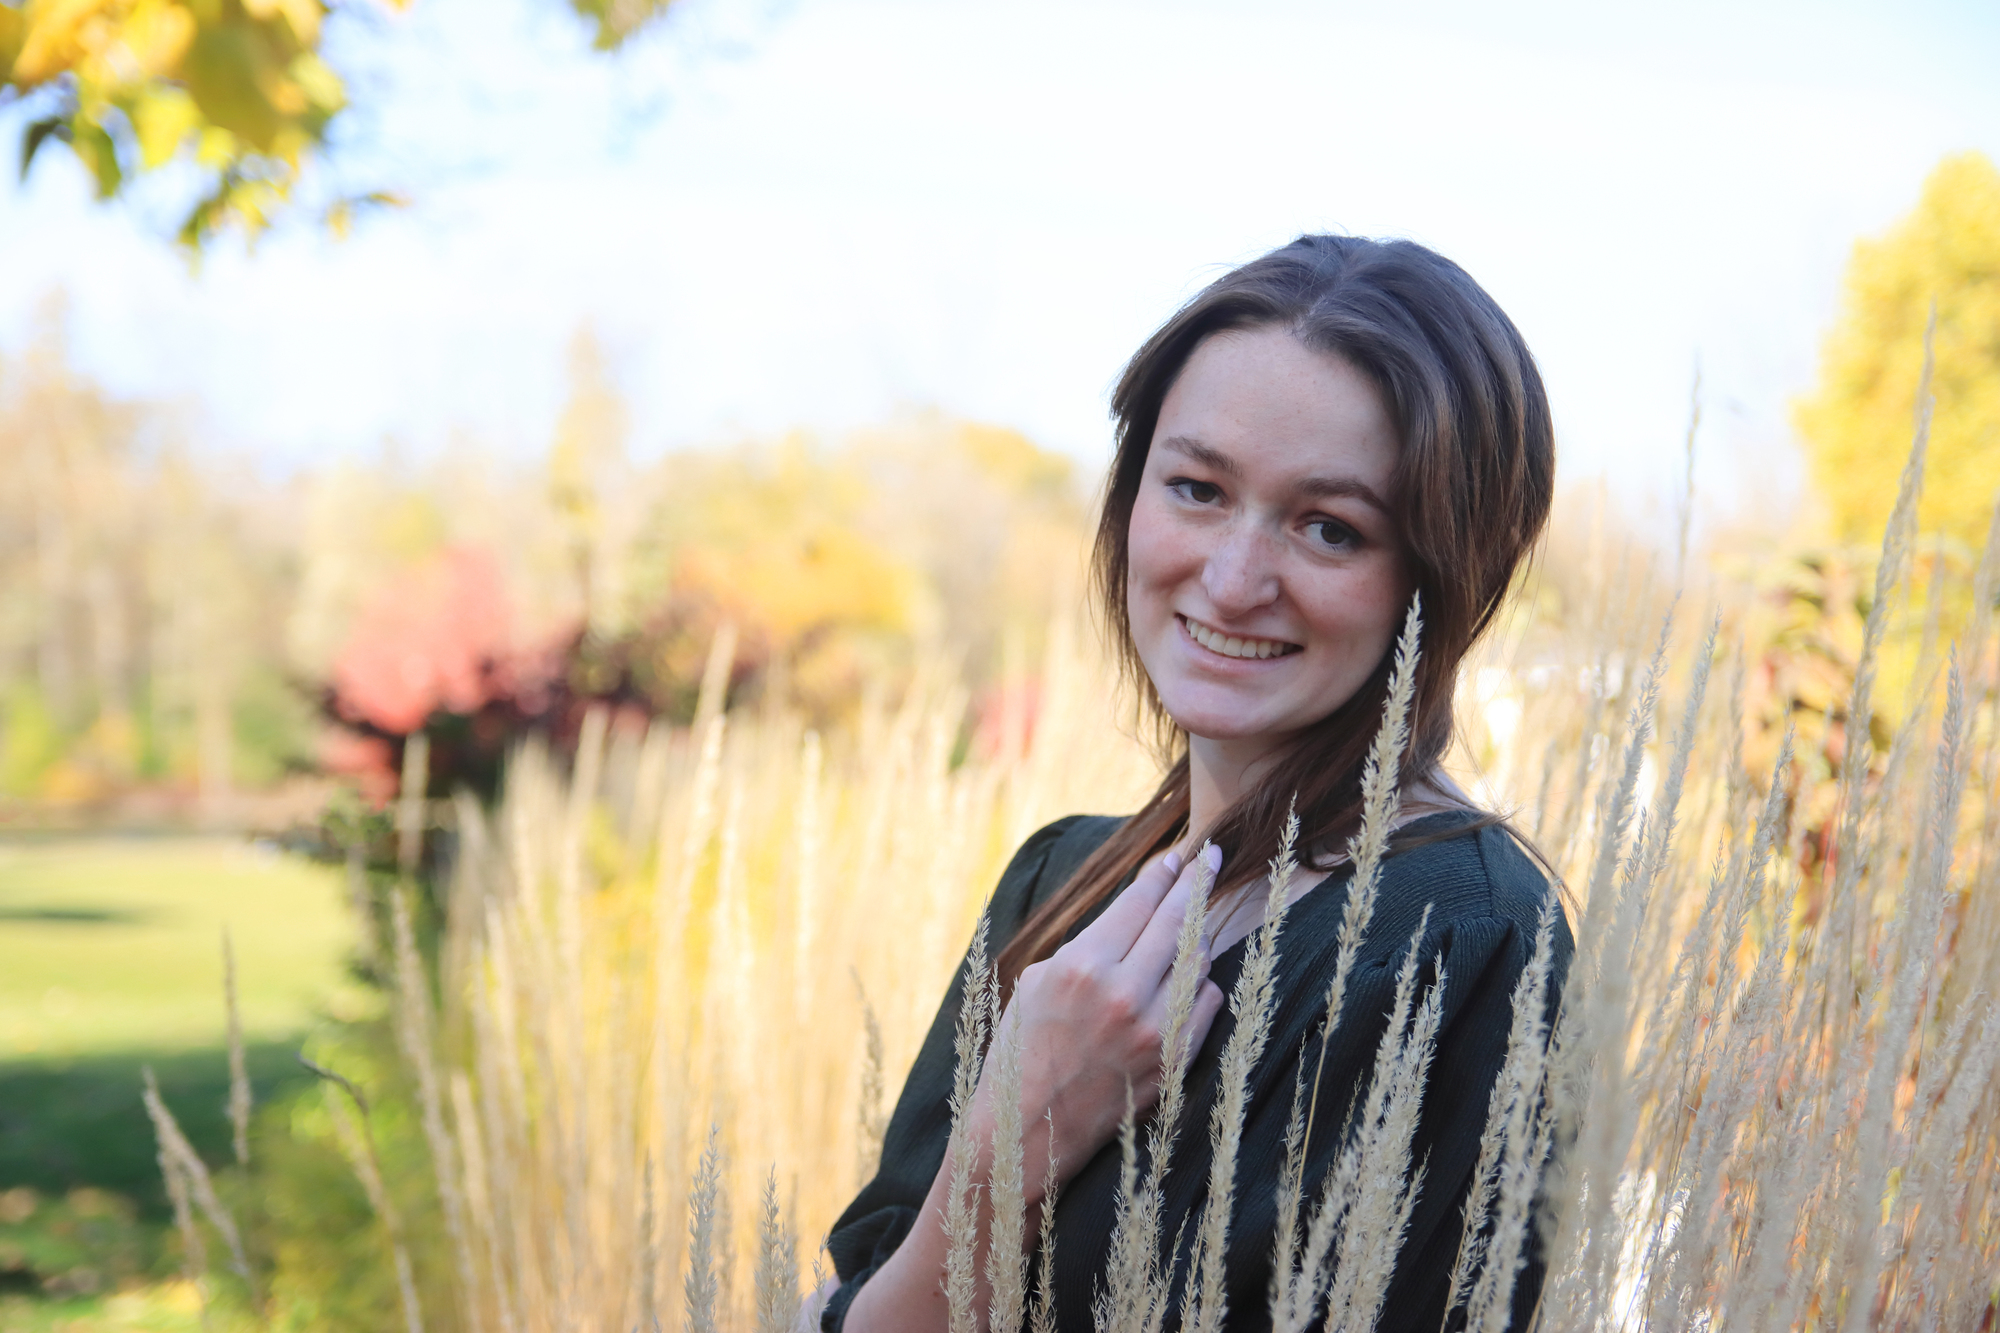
(1207, 1004)
(1112, 934)
(1152, 953)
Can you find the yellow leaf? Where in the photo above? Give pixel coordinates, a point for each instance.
(163, 117)
(222, 73)
(320, 84)
(303, 16)
(289, 144)
(94, 147)
(61, 34)
(13, 32)
(157, 34)
(216, 146)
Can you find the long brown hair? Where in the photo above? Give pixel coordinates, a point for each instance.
(1473, 481)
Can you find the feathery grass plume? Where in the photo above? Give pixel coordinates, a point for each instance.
(239, 1073)
(199, 1184)
(1388, 1178)
(1381, 799)
(1137, 1282)
(1914, 1222)
(1859, 751)
(416, 1033)
(725, 1251)
(1709, 1133)
(1006, 1253)
(194, 1250)
(484, 1204)
(1666, 807)
(1666, 819)
(1938, 1179)
(873, 1120)
(1120, 1303)
(1916, 936)
(961, 1217)
(357, 1144)
(702, 1288)
(1357, 1221)
(1251, 1002)
(1291, 1191)
(410, 801)
(810, 848)
(1511, 1152)
(649, 1252)
(1042, 1318)
(1985, 590)
(777, 1265)
(1589, 1092)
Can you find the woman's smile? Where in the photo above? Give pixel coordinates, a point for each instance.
(1240, 647)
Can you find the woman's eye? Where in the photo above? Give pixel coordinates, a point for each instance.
(1333, 533)
(1201, 492)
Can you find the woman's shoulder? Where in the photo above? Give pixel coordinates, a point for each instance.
(1047, 858)
(1464, 863)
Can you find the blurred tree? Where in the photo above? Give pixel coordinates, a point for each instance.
(1857, 422)
(141, 599)
(237, 88)
(588, 476)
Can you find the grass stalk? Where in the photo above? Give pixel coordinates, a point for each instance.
(777, 1264)
(961, 1219)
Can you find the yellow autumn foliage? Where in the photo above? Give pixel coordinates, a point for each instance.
(236, 86)
(1858, 420)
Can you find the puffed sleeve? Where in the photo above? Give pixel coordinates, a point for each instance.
(913, 1146)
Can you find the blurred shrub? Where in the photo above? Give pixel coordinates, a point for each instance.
(79, 1243)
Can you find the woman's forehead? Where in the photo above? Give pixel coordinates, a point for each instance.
(1261, 406)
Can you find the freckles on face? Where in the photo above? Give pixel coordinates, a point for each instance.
(1266, 574)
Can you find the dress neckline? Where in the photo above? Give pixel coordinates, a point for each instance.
(1343, 870)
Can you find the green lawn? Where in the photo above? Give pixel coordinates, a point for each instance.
(113, 944)
(110, 961)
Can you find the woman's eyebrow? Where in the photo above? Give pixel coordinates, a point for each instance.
(1207, 455)
(1333, 488)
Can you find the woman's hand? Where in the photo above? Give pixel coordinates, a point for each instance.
(1092, 1018)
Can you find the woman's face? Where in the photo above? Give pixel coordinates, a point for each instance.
(1267, 576)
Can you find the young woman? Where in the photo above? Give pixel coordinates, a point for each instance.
(1315, 438)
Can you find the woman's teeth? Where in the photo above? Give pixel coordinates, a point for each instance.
(1231, 646)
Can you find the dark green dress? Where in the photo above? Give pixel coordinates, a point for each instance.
(1486, 896)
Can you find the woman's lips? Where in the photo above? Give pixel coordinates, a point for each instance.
(1240, 646)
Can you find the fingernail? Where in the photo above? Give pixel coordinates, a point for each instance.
(1173, 863)
(1211, 856)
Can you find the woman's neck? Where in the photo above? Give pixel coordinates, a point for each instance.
(1221, 771)
(1218, 773)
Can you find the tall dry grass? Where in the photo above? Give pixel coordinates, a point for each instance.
(744, 925)
(1770, 1097)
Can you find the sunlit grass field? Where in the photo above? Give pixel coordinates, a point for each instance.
(110, 960)
(114, 944)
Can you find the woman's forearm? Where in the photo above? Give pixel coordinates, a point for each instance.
(906, 1294)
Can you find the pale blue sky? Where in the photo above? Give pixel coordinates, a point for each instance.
(820, 212)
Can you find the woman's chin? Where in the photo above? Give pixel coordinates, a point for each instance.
(1227, 729)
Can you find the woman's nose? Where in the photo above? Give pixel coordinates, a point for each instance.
(1241, 572)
